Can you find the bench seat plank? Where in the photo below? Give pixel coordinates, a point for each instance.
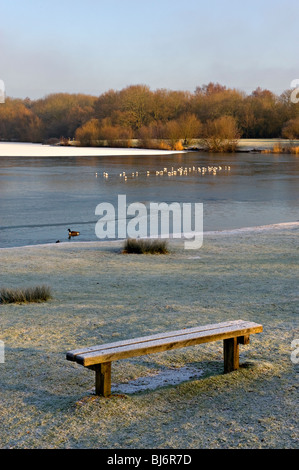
(71, 355)
(162, 342)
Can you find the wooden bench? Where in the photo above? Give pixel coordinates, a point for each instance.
(99, 358)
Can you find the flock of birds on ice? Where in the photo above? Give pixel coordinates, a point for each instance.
(182, 171)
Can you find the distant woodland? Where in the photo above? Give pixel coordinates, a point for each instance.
(136, 115)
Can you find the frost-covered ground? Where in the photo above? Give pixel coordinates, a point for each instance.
(101, 295)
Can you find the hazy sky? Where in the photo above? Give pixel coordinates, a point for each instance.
(92, 46)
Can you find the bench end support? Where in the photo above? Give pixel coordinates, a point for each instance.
(103, 379)
(231, 354)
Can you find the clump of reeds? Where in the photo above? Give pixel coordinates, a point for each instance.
(140, 246)
(162, 145)
(178, 145)
(25, 295)
(294, 150)
(277, 148)
(149, 143)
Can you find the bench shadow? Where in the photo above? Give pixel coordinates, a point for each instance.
(168, 377)
(171, 377)
(44, 384)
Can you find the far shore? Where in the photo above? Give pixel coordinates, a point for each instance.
(27, 149)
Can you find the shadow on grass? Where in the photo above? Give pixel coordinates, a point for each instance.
(39, 378)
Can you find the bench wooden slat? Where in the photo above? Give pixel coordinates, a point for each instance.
(163, 342)
(71, 355)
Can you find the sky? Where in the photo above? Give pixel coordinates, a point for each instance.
(93, 46)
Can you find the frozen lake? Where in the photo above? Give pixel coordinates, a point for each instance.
(46, 190)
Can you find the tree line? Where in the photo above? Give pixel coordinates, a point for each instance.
(213, 113)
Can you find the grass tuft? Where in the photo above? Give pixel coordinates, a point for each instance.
(25, 295)
(145, 246)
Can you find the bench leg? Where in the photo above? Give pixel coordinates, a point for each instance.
(244, 339)
(103, 379)
(231, 354)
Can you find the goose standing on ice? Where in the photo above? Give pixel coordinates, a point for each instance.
(73, 233)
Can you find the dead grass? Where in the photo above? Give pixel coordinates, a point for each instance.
(279, 149)
(25, 295)
(140, 246)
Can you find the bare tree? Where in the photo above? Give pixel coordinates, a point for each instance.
(221, 135)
